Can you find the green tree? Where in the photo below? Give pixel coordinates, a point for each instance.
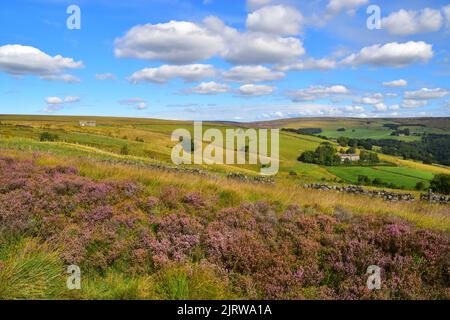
(441, 183)
(353, 143)
(343, 141)
(369, 157)
(307, 157)
(325, 155)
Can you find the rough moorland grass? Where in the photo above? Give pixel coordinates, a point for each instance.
(29, 270)
(234, 192)
(174, 239)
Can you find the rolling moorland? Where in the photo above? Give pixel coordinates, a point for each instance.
(108, 199)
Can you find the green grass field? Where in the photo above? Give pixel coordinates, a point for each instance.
(149, 141)
(399, 176)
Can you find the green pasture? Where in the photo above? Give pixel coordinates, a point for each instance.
(400, 176)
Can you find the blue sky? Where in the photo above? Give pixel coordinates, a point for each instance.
(225, 60)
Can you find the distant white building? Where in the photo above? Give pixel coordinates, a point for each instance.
(88, 123)
(351, 157)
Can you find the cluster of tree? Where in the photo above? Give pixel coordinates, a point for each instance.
(347, 142)
(305, 131)
(438, 145)
(441, 184)
(400, 132)
(369, 157)
(432, 147)
(392, 126)
(325, 155)
(47, 136)
(341, 129)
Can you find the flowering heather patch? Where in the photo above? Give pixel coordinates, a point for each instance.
(260, 251)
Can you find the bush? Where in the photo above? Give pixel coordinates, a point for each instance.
(441, 183)
(124, 150)
(364, 180)
(420, 186)
(343, 141)
(47, 136)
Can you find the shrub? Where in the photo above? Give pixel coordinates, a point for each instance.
(47, 136)
(420, 186)
(441, 183)
(124, 150)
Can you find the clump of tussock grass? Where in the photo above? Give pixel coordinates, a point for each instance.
(29, 270)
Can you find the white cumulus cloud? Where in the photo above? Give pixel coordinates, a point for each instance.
(256, 48)
(58, 100)
(56, 103)
(256, 90)
(255, 4)
(210, 88)
(18, 60)
(105, 76)
(279, 19)
(446, 11)
(164, 73)
(411, 103)
(391, 54)
(426, 94)
(181, 42)
(336, 6)
(395, 83)
(410, 22)
(178, 42)
(136, 103)
(317, 92)
(310, 64)
(252, 74)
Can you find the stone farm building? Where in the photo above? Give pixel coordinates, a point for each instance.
(88, 123)
(351, 157)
